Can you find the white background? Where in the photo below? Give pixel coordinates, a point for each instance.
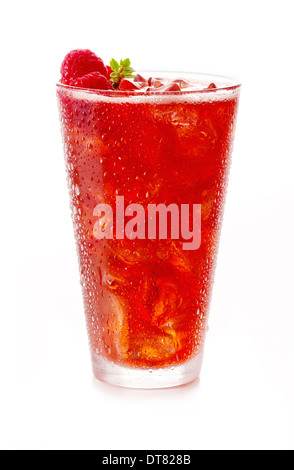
(48, 398)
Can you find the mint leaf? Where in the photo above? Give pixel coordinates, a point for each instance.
(126, 63)
(120, 70)
(114, 65)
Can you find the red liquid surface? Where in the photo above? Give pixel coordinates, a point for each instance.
(146, 301)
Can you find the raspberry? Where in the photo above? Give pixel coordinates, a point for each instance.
(80, 62)
(109, 71)
(94, 80)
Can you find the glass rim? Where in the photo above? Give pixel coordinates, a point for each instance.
(229, 84)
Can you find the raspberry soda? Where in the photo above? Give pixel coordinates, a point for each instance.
(147, 300)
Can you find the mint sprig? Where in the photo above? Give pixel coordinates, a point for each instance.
(120, 70)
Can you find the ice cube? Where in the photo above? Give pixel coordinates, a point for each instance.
(172, 252)
(170, 87)
(129, 251)
(183, 83)
(161, 88)
(196, 133)
(208, 202)
(140, 80)
(115, 336)
(168, 300)
(128, 85)
(158, 348)
(155, 82)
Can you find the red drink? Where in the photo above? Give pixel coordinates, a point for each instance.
(147, 299)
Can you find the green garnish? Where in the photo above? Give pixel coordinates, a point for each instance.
(120, 70)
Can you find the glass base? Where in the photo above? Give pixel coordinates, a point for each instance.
(166, 377)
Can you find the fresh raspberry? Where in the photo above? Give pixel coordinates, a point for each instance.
(212, 86)
(80, 62)
(109, 71)
(93, 80)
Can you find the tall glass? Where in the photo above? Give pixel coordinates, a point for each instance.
(147, 175)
